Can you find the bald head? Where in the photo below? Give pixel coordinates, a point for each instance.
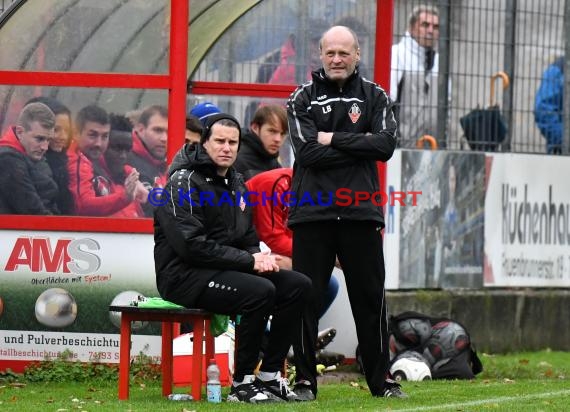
(339, 53)
(342, 31)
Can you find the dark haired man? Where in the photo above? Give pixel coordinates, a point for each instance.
(90, 181)
(148, 156)
(207, 256)
(261, 143)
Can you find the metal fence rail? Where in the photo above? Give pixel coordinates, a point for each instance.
(518, 37)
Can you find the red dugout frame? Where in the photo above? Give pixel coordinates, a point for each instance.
(176, 83)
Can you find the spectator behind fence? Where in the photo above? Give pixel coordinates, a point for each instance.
(207, 256)
(27, 186)
(90, 181)
(548, 110)
(413, 78)
(281, 67)
(148, 157)
(341, 125)
(261, 143)
(56, 155)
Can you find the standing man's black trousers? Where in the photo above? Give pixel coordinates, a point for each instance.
(358, 245)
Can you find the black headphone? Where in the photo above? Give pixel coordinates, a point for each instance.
(211, 120)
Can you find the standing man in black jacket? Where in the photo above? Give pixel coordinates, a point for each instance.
(261, 143)
(340, 125)
(207, 256)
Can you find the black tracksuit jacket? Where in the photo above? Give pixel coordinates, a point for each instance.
(361, 115)
(196, 240)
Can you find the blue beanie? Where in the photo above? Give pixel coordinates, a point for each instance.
(203, 110)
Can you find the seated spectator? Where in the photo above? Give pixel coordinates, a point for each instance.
(207, 256)
(204, 110)
(193, 129)
(120, 145)
(287, 71)
(56, 155)
(270, 221)
(26, 183)
(90, 180)
(261, 143)
(148, 157)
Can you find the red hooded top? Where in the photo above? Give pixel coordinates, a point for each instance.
(270, 216)
(94, 192)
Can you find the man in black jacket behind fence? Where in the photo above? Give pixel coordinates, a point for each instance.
(340, 125)
(207, 256)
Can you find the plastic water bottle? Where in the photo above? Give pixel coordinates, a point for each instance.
(179, 397)
(213, 385)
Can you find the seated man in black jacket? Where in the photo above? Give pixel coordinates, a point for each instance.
(207, 256)
(27, 186)
(261, 143)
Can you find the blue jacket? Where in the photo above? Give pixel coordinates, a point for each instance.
(548, 105)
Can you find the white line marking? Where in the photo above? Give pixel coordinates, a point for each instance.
(484, 401)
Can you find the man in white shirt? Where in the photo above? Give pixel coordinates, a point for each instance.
(413, 79)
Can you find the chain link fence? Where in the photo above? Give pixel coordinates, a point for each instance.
(478, 39)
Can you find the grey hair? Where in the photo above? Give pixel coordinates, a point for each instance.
(419, 9)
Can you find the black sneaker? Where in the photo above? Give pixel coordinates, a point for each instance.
(325, 337)
(393, 390)
(304, 392)
(248, 392)
(277, 389)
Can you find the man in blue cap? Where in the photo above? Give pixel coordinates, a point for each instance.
(204, 110)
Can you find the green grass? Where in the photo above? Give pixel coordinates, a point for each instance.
(519, 382)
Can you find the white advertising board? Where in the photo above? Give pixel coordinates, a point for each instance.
(527, 221)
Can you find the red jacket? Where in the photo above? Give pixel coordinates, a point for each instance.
(93, 190)
(270, 217)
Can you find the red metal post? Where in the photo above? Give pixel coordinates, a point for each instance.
(197, 357)
(178, 64)
(166, 359)
(382, 55)
(124, 356)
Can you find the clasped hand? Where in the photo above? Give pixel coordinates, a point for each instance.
(264, 263)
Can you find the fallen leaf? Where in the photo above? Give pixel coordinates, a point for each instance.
(549, 373)
(75, 400)
(507, 380)
(523, 361)
(17, 385)
(354, 384)
(50, 400)
(544, 364)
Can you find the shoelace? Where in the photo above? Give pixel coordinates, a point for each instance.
(284, 385)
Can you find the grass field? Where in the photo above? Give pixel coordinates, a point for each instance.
(519, 382)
